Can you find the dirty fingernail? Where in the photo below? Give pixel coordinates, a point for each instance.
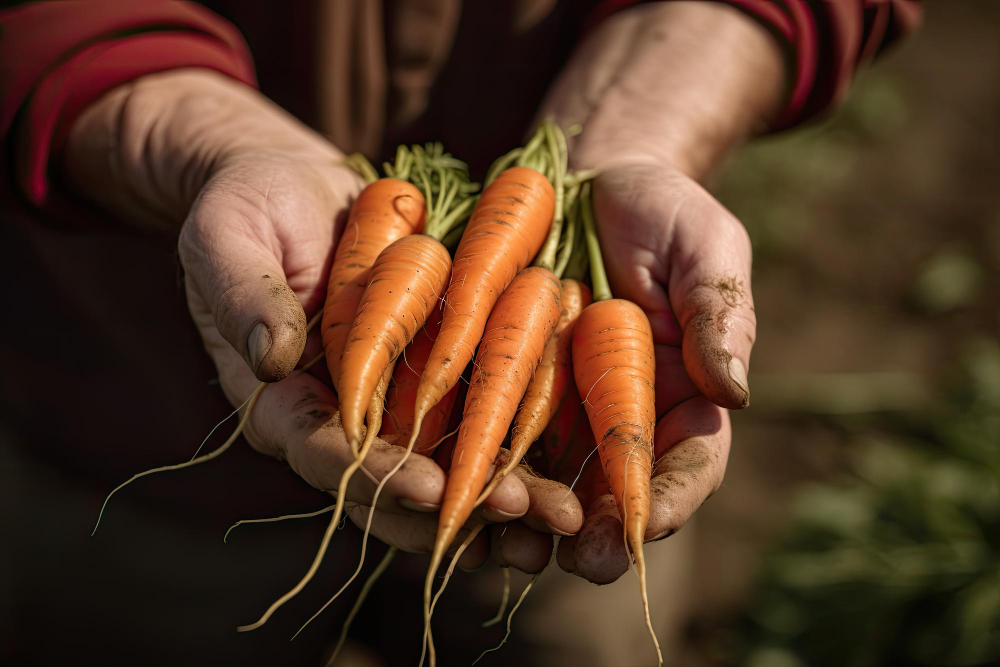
(493, 514)
(418, 506)
(557, 531)
(738, 374)
(258, 345)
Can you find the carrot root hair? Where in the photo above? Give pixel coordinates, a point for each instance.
(640, 570)
(428, 646)
(510, 617)
(283, 517)
(249, 403)
(369, 583)
(375, 419)
(503, 600)
(367, 532)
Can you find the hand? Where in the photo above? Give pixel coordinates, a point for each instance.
(260, 200)
(675, 251)
(523, 541)
(662, 91)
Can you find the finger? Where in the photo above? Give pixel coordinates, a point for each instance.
(231, 258)
(673, 386)
(514, 544)
(710, 290)
(634, 209)
(509, 500)
(552, 507)
(296, 420)
(692, 447)
(599, 553)
(416, 534)
(566, 554)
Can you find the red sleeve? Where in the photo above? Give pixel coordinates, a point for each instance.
(827, 42)
(56, 57)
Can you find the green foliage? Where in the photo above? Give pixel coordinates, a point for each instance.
(898, 564)
(775, 185)
(948, 280)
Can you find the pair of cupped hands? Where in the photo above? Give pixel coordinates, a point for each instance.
(261, 200)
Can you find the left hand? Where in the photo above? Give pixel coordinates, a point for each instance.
(524, 542)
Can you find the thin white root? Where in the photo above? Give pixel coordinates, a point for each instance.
(305, 515)
(372, 478)
(428, 642)
(368, 528)
(580, 471)
(503, 600)
(640, 569)
(372, 578)
(314, 320)
(216, 428)
(503, 641)
(195, 461)
(454, 561)
(375, 419)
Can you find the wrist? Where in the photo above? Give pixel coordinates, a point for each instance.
(675, 83)
(146, 148)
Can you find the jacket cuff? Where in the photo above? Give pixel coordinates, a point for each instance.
(90, 48)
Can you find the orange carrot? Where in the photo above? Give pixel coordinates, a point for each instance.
(507, 227)
(402, 291)
(541, 399)
(559, 433)
(615, 369)
(443, 452)
(385, 211)
(515, 335)
(402, 396)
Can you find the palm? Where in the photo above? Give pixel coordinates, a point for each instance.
(285, 216)
(672, 249)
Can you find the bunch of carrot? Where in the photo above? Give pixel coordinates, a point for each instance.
(527, 333)
(430, 272)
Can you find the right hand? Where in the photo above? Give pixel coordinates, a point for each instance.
(260, 200)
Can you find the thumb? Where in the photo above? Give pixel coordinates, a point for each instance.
(231, 257)
(710, 292)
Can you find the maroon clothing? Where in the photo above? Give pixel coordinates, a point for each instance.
(104, 374)
(90, 47)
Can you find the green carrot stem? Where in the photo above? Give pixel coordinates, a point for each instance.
(547, 255)
(531, 149)
(448, 199)
(578, 177)
(560, 137)
(579, 263)
(566, 247)
(500, 165)
(455, 218)
(362, 166)
(598, 277)
(450, 241)
(403, 163)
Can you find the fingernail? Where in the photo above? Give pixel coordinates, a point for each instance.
(556, 531)
(418, 507)
(493, 514)
(738, 374)
(258, 345)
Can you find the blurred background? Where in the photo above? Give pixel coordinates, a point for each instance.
(859, 523)
(860, 519)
